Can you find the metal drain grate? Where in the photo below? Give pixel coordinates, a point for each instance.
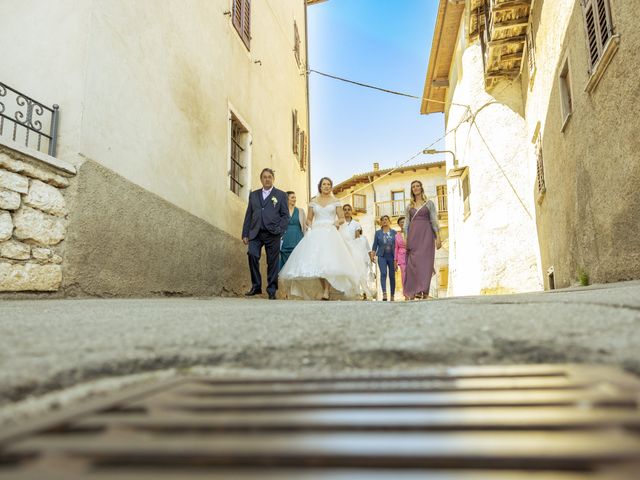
(521, 422)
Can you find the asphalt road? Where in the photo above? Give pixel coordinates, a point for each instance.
(47, 345)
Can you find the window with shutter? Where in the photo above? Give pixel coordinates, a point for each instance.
(296, 42)
(531, 54)
(466, 191)
(566, 100)
(246, 24)
(241, 19)
(295, 129)
(303, 151)
(599, 28)
(542, 188)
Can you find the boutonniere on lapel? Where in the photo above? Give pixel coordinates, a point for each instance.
(274, 200)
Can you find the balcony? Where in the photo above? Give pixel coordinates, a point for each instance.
(501, 26)
(392, 208)
(27, 121)
(397, 208)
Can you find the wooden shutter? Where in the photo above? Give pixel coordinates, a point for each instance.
(295, 129)
(540, 169)
(236, 15)
(241, 19)
(599, 27)
(531, 51)
(303, 152)
(246, 22)
(296, 42)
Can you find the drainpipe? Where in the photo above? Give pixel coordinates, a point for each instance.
(375, 264)
(306, 75)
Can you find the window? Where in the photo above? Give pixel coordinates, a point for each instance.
(296, 42)
(597, 19)
(239, 145)
(303, 151)
(566, 100)
(531, 54)
(359, 203)
(441, 191)
(444, 278)
(542, 188)
(398, 203)
(241, 19)
(466, 191)
(295, 132)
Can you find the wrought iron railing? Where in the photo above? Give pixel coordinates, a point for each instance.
(27, 121)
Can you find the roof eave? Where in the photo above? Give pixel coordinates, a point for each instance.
(448, 18)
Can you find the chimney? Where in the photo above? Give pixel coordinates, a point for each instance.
(376, 166)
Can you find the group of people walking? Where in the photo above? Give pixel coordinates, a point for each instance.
(310, 254)
(411, 249)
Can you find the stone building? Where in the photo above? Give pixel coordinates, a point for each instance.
(166, 117)
(538, 100)
(387, 192)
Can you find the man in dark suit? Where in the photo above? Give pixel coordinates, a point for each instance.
(265, 223)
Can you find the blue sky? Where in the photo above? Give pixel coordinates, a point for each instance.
(381, 42)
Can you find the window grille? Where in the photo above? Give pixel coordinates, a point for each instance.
(237, 151)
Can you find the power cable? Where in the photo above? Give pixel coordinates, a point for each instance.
(381, 89)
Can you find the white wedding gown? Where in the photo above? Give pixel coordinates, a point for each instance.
(323, 253)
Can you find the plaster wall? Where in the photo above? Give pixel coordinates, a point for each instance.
(493, 249)
(146, 91)
(589, 217)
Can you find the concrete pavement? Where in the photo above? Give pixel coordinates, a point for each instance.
(47, 345)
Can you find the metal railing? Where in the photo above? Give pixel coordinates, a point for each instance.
(26, 121)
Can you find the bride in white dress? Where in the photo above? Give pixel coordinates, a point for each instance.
(322, 259)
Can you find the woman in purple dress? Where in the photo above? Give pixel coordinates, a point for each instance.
(422, 239)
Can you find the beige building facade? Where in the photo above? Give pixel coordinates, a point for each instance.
(168, 116)
(581, 91)
(543, 149)
(387, 192)
(493, 245)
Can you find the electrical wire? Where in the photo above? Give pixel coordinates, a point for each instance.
(381, 89)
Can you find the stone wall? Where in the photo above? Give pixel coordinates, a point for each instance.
(33, 221)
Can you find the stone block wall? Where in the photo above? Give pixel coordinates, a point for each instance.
(33, 221)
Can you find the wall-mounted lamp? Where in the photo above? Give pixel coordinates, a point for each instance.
(455, 171)
(430, 151)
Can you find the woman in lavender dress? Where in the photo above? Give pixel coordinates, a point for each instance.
(422, 239)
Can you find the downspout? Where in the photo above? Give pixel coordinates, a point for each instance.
(375, 199)
(306, 75)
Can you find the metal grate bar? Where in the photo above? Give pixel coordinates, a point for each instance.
(543, 422)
